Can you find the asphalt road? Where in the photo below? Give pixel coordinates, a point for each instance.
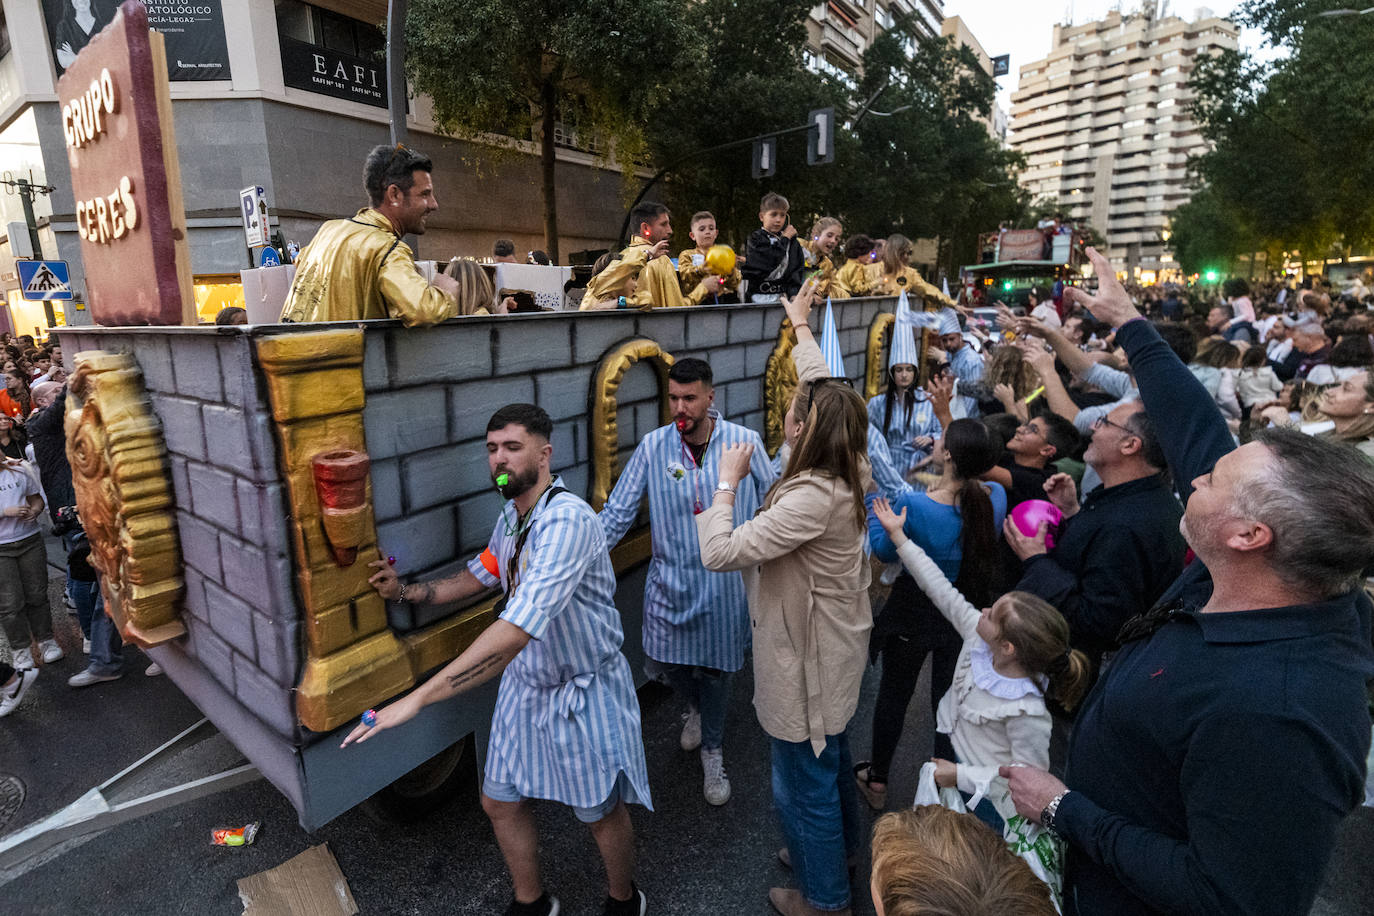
(693, 859)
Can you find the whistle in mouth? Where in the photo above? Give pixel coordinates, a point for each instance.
(502, 479)
(681, 425)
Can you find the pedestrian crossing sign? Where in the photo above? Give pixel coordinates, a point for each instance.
(40, 280)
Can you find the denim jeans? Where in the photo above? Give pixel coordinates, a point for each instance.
(706, 690)
(818, 805)
(84, 595)
(107, 646)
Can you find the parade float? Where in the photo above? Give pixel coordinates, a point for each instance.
(236, 481)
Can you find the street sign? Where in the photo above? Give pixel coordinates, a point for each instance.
(269, 258)
(765, 157)
(253, 208)
(1001, 65)
(21, 243)
(820, 139)
(40, 280)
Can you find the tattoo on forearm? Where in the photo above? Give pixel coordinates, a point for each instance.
(465, 677)
(421, 593)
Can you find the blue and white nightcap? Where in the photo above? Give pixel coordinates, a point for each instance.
(830, 343)
(949, 322)
(903, 349)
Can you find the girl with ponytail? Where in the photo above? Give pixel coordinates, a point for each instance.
(1013, 653)
(956, 522)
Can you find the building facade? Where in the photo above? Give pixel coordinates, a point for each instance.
(289, 96)
(840, 31)
(954, 27)
(1103, 123)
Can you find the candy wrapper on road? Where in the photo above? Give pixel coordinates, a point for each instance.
(234, 836)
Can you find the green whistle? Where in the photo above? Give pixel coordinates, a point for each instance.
(502, 480)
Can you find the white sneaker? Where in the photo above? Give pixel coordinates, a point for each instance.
(85, 647)
(152, 670)
(691, 731)
(88, 677)
(716, 783)
(11, 698)
(52, 652)
(23, 659)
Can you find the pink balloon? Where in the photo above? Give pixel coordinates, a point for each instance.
(1028, 516)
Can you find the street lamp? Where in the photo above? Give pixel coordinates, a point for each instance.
(1332, 14)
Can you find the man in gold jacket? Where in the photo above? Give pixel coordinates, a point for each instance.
(359, 268)
(658, 282)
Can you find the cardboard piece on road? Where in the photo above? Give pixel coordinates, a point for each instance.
(308, 885)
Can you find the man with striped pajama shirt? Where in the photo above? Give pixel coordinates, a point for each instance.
(696, 622)
(566, 725)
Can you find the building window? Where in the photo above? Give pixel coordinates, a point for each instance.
(4, 34)
(326, 29)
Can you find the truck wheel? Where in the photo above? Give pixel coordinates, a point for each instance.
(431, 786)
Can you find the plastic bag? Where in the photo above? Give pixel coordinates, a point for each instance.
(1040, 849)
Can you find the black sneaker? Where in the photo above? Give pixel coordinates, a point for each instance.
(637, 905)
(544, 906)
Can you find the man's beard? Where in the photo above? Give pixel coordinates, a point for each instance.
(516, 483)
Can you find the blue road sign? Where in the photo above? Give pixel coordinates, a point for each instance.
(269, 258)
(40, 280)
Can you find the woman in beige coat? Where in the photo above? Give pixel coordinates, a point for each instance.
(807, 577)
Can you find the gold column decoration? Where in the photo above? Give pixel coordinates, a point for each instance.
(779, 382)
(124, 495)
(353, 661)
(605, 434)
(875, 372)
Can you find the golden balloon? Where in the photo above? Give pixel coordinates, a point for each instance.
(721, 260)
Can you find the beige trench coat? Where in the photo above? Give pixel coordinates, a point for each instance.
(806, 576)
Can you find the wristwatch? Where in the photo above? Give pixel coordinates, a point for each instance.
(723, 487)
(1051, 810)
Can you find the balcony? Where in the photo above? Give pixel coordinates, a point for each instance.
(846, 46)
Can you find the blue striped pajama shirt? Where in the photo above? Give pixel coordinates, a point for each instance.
(691, 616)
(902, 429)
(566, 722)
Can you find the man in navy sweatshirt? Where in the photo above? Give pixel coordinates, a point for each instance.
(1213, 762)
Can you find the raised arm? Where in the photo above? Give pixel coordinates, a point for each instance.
(947, 599)
(1191, 429)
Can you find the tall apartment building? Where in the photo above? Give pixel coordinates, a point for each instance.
(955, 27)
(1103, 124)
(840, 31)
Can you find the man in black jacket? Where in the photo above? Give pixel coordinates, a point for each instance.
(1117, 553)
(1215, 759)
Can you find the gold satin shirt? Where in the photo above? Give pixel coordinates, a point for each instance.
(909, 279)
(826, 281)
(359, 268)
(658, 284)
(692, 274)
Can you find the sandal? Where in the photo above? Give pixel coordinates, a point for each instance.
(875, 796)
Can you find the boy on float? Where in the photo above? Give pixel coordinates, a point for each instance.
(691, 263)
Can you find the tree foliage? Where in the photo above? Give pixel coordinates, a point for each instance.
(1291, 165)
(492, 69)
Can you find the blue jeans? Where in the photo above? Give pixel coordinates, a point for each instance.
(706, 690)
(818, 805)
(107, 646)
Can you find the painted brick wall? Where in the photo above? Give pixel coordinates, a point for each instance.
(429, 394)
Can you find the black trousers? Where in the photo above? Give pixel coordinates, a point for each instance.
(916, 630)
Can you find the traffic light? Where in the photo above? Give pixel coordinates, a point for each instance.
(820, 138)
(765, 157)
(1211, 276)
(1006, 286)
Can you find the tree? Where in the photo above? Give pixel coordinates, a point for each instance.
(1291, 164)
(492, 69)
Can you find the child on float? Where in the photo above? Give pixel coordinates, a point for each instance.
(994, 712)
(773, 257)
(893, 274)
(904, 414)
(852, 276)
(691, 263)
(819, 251)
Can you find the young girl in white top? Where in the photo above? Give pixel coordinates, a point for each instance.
(995, 710)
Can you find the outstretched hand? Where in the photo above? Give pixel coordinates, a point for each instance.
(1112, 304)
(798, 308)
(398, 713)
(734, 463)
(892, 522)
(385, 580)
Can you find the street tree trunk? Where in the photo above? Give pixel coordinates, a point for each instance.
(548, 160)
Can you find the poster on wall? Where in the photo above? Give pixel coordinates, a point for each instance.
(193, 32)
(317, 69)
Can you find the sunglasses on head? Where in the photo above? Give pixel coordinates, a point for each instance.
(811, 395)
